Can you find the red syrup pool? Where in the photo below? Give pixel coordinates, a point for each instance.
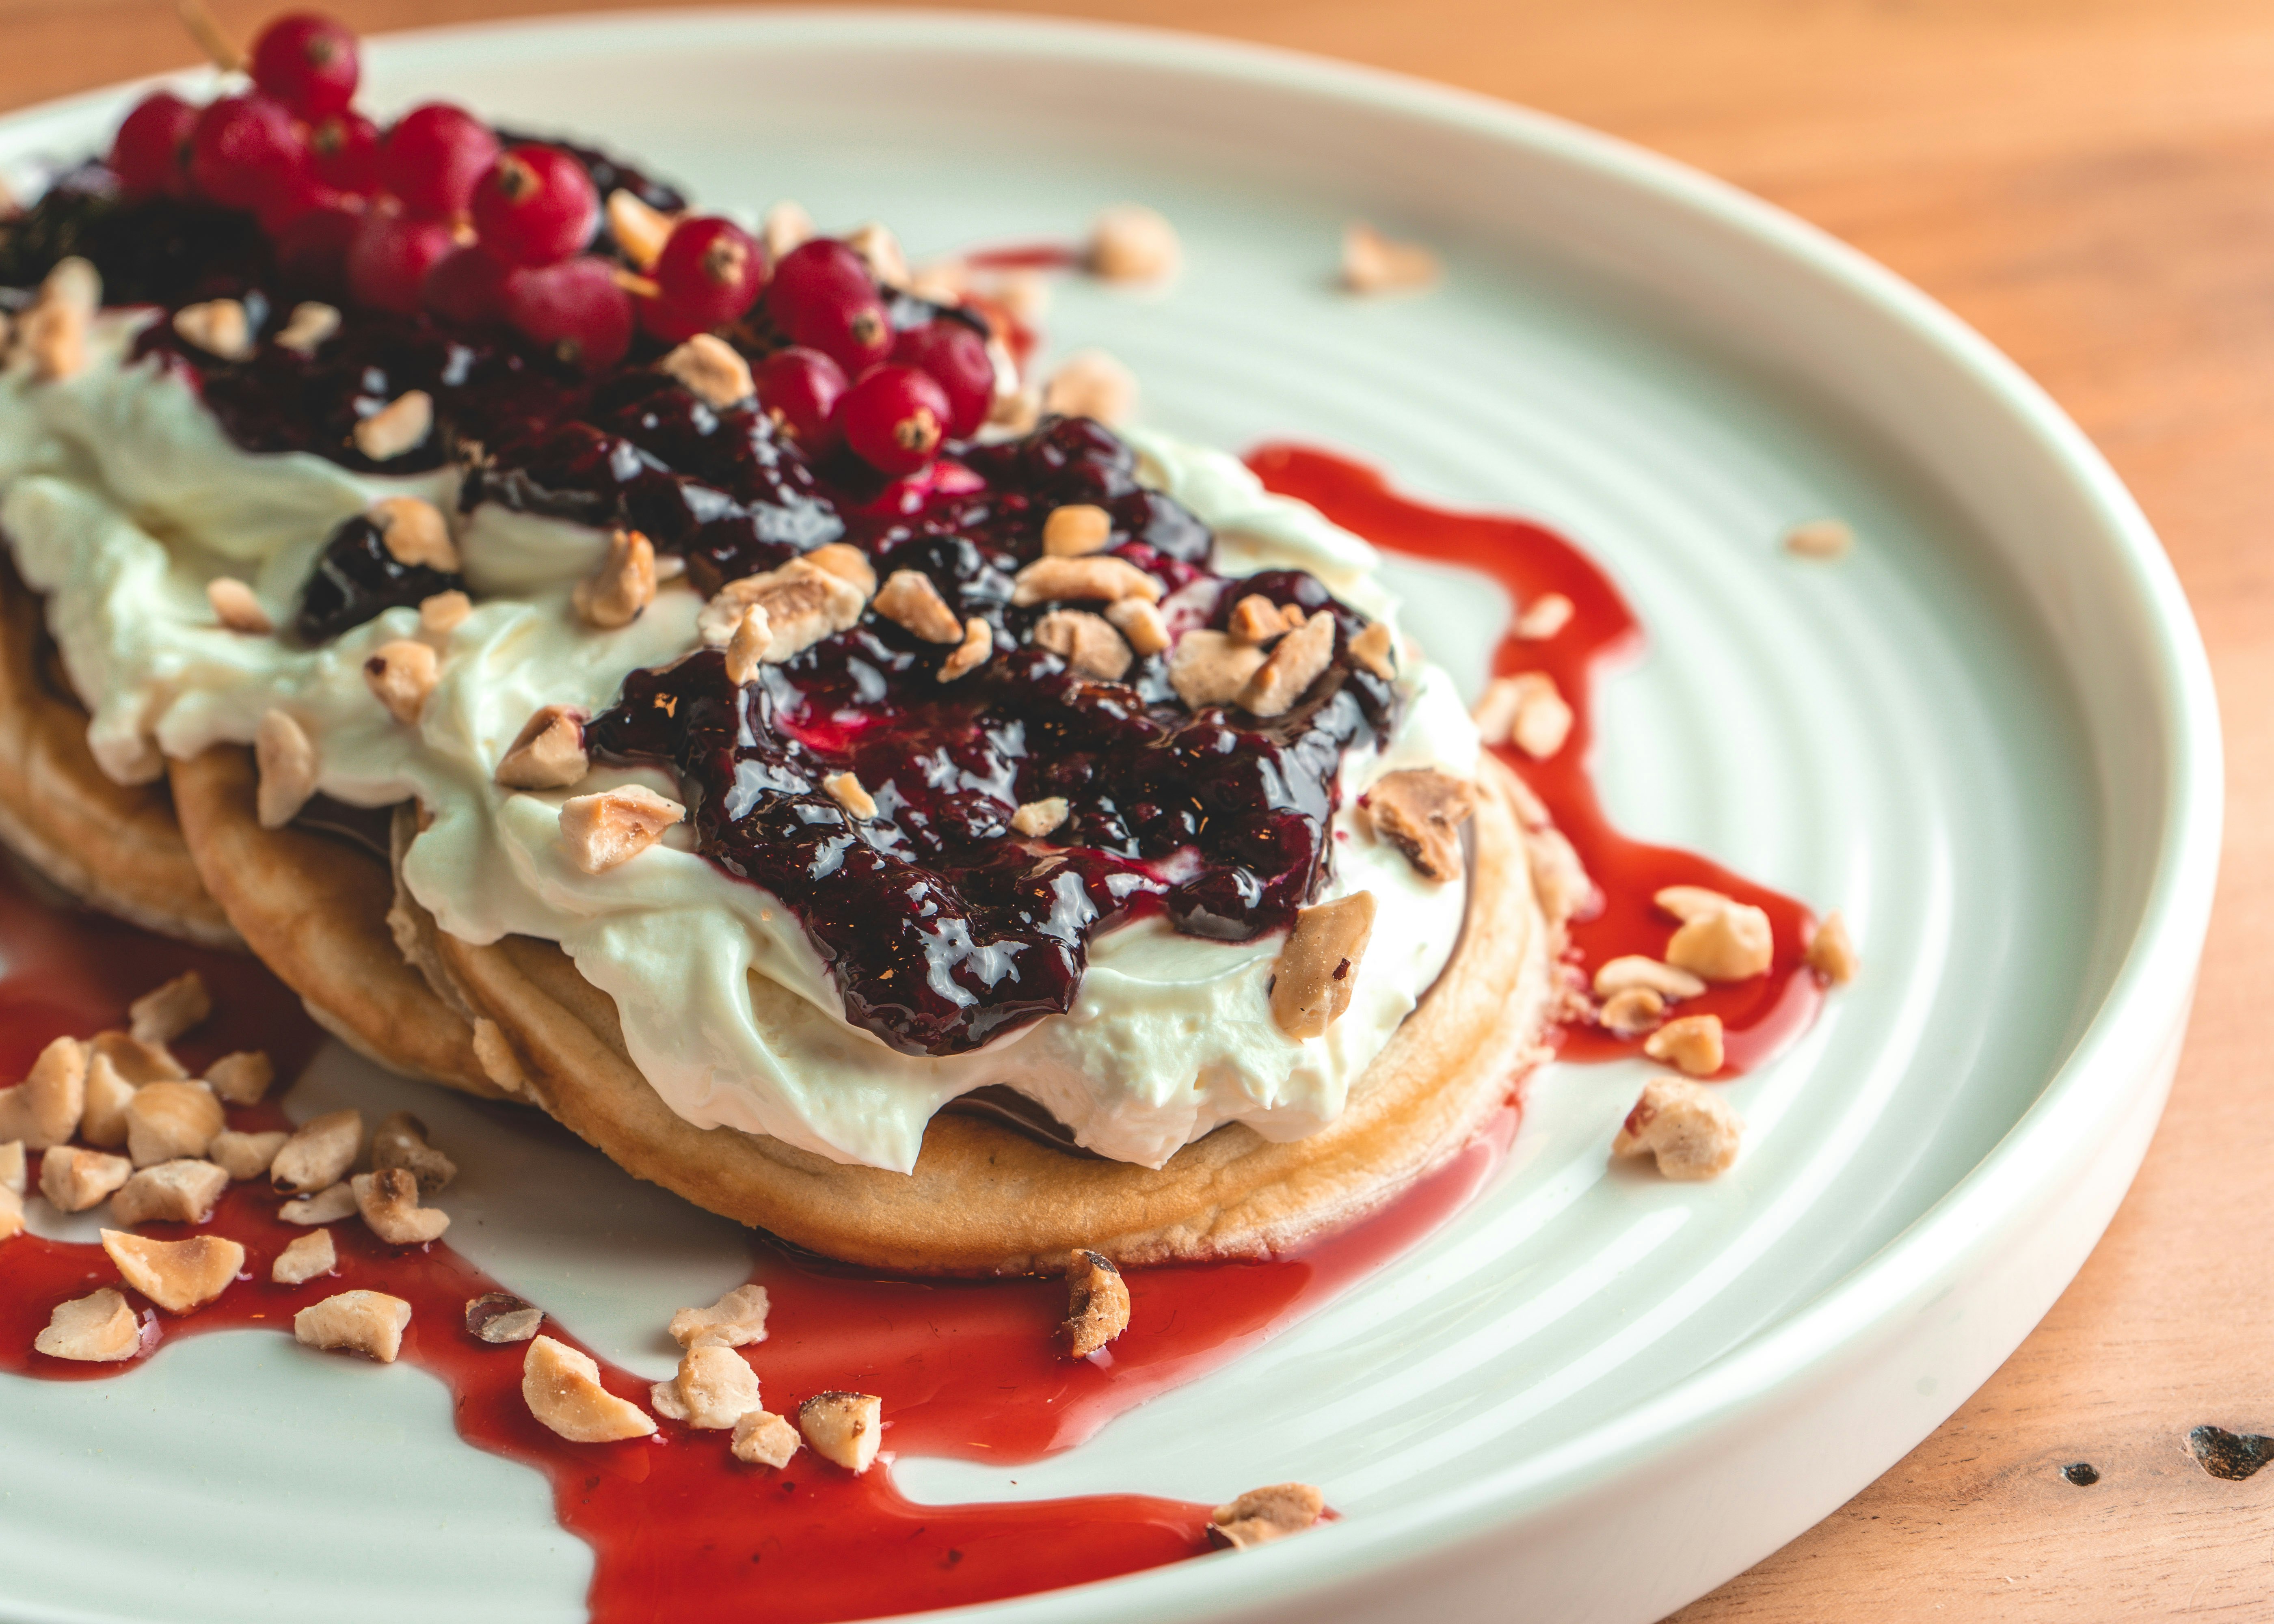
(964, 1369)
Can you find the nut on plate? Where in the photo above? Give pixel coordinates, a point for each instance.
(245, 1155)
(1832, 951)
(1092, 384)
(327, 1205)
(242, 1078)
(183, 1192)
(370, 1323)
(99, 1328)
(713, 1388)
(843, 1428)
(307, 1256)
(761, 1438)
(400, 1141)
(166, 1011)
(1689, 1127)
(388, 1201)
(176, 1275)
(1692, 1042)
(1097, 1304)
(168, 1119)
(1731, 943)
(1130, 242)
(735, 1320)
(74, 1179)
(562, 1389)
(319, 1154)
(1261, 1515)
(45, 1108)
(500, 1316)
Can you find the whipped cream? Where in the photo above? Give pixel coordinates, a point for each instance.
(121, 498)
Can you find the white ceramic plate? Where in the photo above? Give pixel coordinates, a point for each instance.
(1989, 736)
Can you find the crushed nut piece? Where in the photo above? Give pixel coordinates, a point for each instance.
(1633, 970)
(561, 1387)
(746, 649)
(309, 324)
(1821, 539)
(1037, 818)
(735, 1320)
(46, 1107)
(715, 1387)
(1209, 668)
(494, 1050)
(876, 244)
(640, 229)
(103, 1121)
(548, 752)
(12, 1177)
(1092, 384)
(1261, 1515)
(711, 370)
(245, 1155)
(176, 1275)
(170, 1192)
(371, 1323)
(847, 791)
(236, 608)
(98, 1327)
(1544, 617)
(136, 1061)
(1077, 529)
(1097, 1304)
(1141, 624)
(1373, 263)
(319, 1154)
(1086, 642)
(1371, 649)
(388, 1201)
(444, 612)
(11, 1213)
(218, 327)
(325, 1206)
(976, 649)
(1297, 663)
(843, 1428)
(1630, 1014)
(1832, 952)
(287, 759)
(622, 586)
(400, 1141)
(401, 425)
(848, 564)
(308, 1256)
(805, 602)
(1691, 1129)
(1693, 1044)
(1255, 619)
(73, 1179)
(165, 1013)
(1130, 242)
(1688, 902)
(1317, 969)
(171, 1119)
(52, 331)
(1082, 580)
(500, 1316)
(763, 1439)
(616, 825)
(1526, 709)
(241, 1078)
(1732, 943)
(402, 674)
(416, 534)
(787, 225)
(909, 600)
(1421, 812)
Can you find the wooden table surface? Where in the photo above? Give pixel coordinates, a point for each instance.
(2091, 184)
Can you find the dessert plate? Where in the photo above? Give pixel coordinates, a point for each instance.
(1988, 736)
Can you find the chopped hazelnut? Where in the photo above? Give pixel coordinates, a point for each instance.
(786, 224)
(548, 752)
(52, 331)
(1037, 818)
(319, 1154)
(1633, 970)
(135, 1060)
(1371, 649)
(416, 534)
(236, 608)
(325, 1206)
(615, 826)
(388, 1201)
(1819, 539)
(245, 1155)
(1692, 1042)
(1086, 642)
(1831, 951)
(1688, 902)
(1095, 578)
(848, 564)
(1689, 1127)
(444, 612)
(309, 324)
(180, 1191)
(1209, 668)
(171, 1119)
(98, 1327)
(1130, 242)
(1545, 616)
(1255, 619)
(746, 649)
(218, 327)
(735, 1320)
(877, 244)
(371, 1323)
(242, 1078)
(714, 1388)
(1527, 709)
(176, 1275)
(165, 1013)
(46, 1107)
(1097, 1304)
(400, 1141)
(847, 790)
(73, 1179)
(711, 370)
(640, 229)
(1076, 529)
(401, 675)
(1141, 624)
(1261, 1515)
(1373, 263)
(308, 1256)
(287, 759)
(843, 1428)
(1559, 879)
(909, 600)
(763, 1439)
(561, 1387)
(1092, 384)
(11, 1213)
(1630, 1014)
(805, 602)
(976, 649)
(401, 425)
(12, 1177)
(1311, 983)
(499, 1317)
(1297, 663)
(1420, 811)
(624, 584)
(1731, 943)
(103, 1121)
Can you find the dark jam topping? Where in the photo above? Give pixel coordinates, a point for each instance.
(356, 578)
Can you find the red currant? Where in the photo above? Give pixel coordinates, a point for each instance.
(894, 418)
(800, 389)
(433, 157)
(345, 151)
(574, 309)
(292, 197)
(307, 61)
(389, 258)
(535, 205)
(709, 272)
(150, 153)
(821, 271)
(466, 287)
(312, 250)
(957, 359)
(244, 149)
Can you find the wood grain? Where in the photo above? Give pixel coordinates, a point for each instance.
(2090, 183)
